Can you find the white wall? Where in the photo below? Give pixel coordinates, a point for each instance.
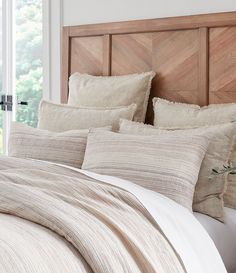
(77, 12)
(53, 22)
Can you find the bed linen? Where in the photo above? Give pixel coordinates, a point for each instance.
(63, 117)
(174, 115)
(208, 194)
(168, 164)
(107, 91)
(98, 215)
(223, 235)
(65, 148)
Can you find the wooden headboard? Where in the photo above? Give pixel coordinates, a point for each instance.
(194, 56)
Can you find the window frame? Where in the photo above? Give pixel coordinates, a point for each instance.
(8, 59)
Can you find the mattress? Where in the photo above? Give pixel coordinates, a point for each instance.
(223, 235)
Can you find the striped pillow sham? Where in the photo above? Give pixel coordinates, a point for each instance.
(65, 148)
(168, 164)
(208, 196)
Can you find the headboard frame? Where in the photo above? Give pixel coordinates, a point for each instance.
(194, 56)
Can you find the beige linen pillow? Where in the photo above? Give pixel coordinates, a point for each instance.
(171, 115)
(208, 196)
(167, 164)
(62, 117)
(111, 91)
(65, 148)
(181, 115)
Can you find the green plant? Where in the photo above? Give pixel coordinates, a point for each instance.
(227, 169)
(29, 75)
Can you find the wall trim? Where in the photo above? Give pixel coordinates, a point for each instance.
(46, 49)
(52, 35)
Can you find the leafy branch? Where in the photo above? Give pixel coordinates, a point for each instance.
(230, 169)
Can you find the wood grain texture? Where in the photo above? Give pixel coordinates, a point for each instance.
(194, 56)
(223, 65)
(203, 76)
(65, 65)
(131, 53)
(87, 55)
(175, 59)
(151, 25)
(107, 55)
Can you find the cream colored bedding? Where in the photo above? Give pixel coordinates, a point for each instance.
(98, 219)
(55, 219)
(28, 247)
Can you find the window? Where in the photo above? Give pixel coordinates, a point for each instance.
(21, 69)
(1, 119)
(28, 52)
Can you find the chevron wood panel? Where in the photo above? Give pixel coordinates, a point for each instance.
(223, 65)
(175, 59)
(87, 55)
(174, 55)
(131, 53)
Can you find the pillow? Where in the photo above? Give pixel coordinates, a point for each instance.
(65, 148)
(100, 91)
(62, 117)
(180, 115)
(167, 164)
(208, 196)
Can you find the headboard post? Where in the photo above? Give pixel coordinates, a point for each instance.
(107, 55)
(203, 88)
(65, 65)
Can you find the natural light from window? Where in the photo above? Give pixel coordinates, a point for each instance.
(27, 32)
(1, 139)
(29, 75)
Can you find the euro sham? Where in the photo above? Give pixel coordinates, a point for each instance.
(208, 195)
(107, 91)
(65, 148)
(167, 164)
(172, 115)
(62, 117)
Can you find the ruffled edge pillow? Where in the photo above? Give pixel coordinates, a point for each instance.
(112, 91)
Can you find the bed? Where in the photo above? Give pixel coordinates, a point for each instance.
(200, 71)
(55, 218)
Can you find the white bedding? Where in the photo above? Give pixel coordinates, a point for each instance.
(224, 236)
(185, 233)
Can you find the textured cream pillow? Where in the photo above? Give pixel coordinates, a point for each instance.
(65, 148)
(100, 91)
(208, 196)
(62, 117)
(167, 164)
(181, 115)
(171, 115)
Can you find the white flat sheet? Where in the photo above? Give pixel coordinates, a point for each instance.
(223, 235)
(183, 230)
